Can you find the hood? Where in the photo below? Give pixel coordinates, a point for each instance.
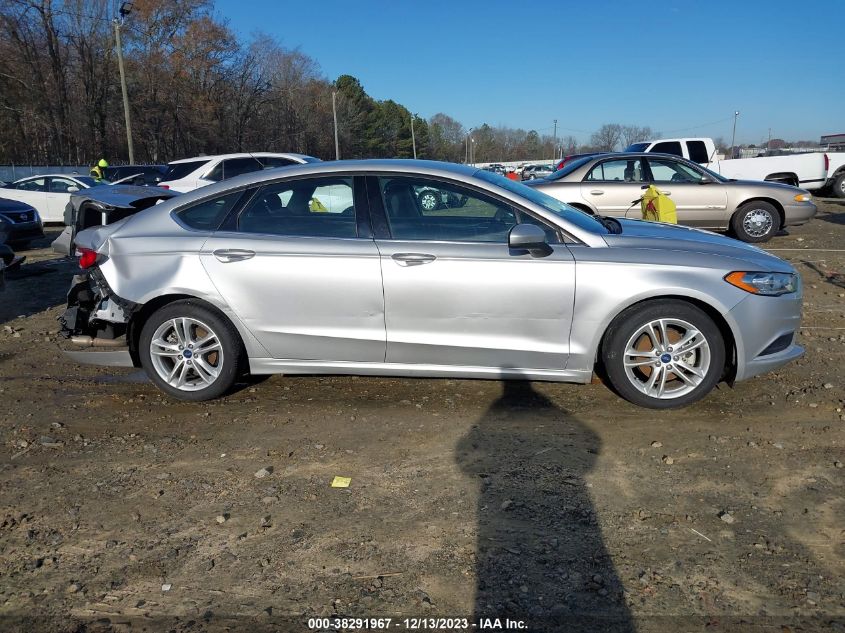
(774, 187)
(672, 237)
(13, 205)
(124, 196)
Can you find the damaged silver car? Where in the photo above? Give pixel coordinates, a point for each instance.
(337, 268)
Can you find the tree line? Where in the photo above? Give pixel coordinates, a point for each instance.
(196, 89)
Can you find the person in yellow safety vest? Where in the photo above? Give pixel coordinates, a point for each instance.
(97, 171)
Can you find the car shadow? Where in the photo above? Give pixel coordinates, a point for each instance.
(35, 286)
(541, 558)
(833, 218)
(831, 277)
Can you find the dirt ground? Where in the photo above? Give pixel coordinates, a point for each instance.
(559, 507)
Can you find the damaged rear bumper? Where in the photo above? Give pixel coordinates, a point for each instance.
(97, 318)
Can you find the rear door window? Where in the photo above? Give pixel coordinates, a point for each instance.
(619, 170)
(307, 207)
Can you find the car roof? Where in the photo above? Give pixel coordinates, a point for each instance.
(74, 176)
(239, 155)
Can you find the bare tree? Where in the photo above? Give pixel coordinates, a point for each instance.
(607, 138)
(634, 133)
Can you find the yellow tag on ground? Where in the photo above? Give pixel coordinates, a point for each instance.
(341, 482)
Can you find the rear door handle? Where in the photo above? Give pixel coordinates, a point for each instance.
(412, 259)
(597, 192)
(228, 255)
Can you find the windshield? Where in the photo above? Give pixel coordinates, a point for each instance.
(637, 147)
(91, 182)
(578, 218)
(177, 171)
(713, 174)
(568, 168)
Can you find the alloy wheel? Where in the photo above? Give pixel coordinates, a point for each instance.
(186, 353)
(666, 358)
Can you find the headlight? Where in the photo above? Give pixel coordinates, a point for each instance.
(803, 197)
(768, 284)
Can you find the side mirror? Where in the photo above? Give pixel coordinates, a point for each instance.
(72, 189)
(529, 237)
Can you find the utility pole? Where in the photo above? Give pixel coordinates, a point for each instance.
(733, 136)
(334, 113)
(125, 9)
(413, 138)
(769, 142)
(466, 151)
(554, 143)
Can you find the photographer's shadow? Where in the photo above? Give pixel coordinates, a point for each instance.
(541, 557)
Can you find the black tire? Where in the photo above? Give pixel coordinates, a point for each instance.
(755, 221)
(837, 189)
(625, 327)
(228, 364)
(429, 200)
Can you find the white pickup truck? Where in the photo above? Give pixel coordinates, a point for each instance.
(812, 171)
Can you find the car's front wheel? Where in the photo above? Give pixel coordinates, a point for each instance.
(189, 351)
(838, 187)
(756, 221)
(663, 354)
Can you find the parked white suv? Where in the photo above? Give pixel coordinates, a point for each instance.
(192, 173)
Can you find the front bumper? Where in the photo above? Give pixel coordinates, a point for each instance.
(766, 333)
(799, 213)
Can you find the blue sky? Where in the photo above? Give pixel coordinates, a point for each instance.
(681, 67)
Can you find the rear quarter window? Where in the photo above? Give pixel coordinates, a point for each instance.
(208, 215)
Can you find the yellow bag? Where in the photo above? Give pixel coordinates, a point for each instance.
(658, 207)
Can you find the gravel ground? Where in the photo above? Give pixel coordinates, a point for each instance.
(558, 506)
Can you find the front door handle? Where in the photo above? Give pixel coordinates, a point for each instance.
(228, 255)
(597, 192)
(666, 193)
(412, 259)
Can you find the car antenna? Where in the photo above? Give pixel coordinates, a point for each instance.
(257, 160)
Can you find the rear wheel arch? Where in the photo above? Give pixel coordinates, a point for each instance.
(140, 317)
(786, 177)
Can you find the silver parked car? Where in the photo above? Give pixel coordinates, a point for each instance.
(611, 184)
(530, 172)
(336, 268)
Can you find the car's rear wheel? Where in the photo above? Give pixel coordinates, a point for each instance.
(755, 221)
(190, 352)
(663, 354)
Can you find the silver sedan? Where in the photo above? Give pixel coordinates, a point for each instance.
(611, 184)
(336, 268)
